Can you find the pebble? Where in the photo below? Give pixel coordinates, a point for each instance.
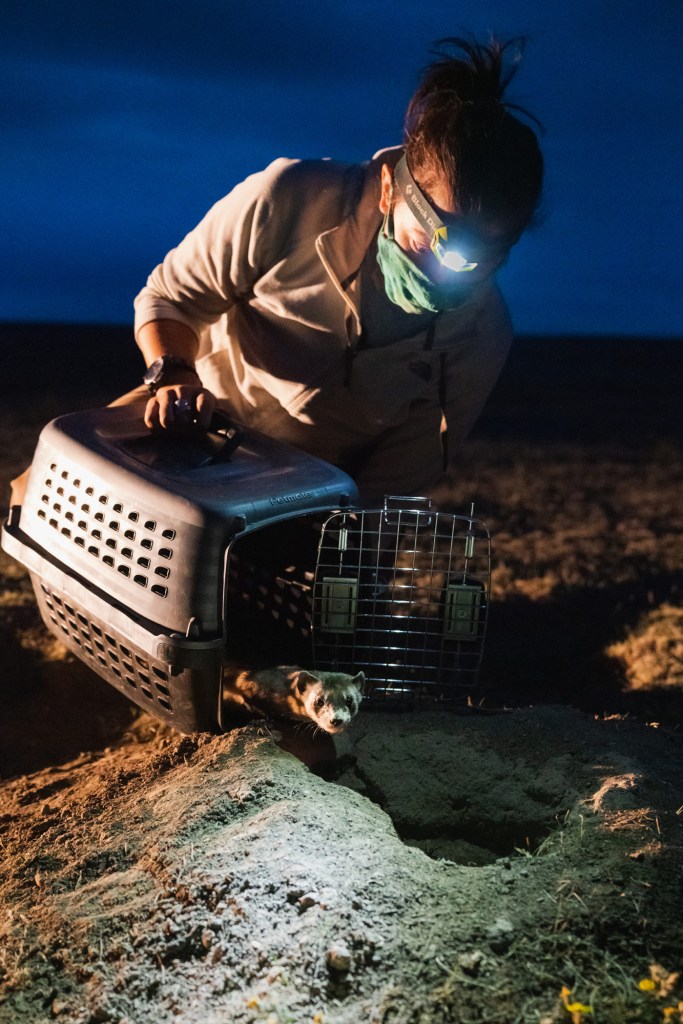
(471, 962)
(339, 958)
(308, 900)
(499, 934)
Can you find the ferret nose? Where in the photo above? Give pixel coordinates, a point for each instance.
(338, 720)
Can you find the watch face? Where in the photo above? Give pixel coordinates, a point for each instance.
(157, 371)
(154, 372)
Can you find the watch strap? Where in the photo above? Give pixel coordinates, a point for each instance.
(162, 368)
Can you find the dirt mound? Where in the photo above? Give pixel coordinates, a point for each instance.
(220, 879)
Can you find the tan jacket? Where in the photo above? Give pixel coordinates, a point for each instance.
(268, 282)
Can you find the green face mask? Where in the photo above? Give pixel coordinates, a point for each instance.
(406, 285)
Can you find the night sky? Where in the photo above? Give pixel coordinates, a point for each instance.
(121, 123)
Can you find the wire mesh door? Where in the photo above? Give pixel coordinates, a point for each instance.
(402, 594)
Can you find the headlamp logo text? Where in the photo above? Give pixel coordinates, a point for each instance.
(424, 213)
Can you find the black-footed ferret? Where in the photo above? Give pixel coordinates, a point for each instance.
(328, 699)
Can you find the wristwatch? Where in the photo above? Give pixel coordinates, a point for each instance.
(161, 369)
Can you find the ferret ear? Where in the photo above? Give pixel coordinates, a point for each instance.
(359, 678)
(303, 680)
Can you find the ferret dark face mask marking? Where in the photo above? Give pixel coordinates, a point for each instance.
(331, 699)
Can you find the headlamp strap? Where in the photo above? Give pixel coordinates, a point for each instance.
(427, 216)
(418, 203)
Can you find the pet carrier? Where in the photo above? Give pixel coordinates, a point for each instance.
(155, 559)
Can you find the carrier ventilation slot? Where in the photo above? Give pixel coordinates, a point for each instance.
(283, 596)
(132, 669)
(125, 539)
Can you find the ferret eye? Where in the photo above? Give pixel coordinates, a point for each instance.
(319, 703)
(350, 703)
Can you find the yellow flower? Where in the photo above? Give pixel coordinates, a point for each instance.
(576, 1009)
(646, 985)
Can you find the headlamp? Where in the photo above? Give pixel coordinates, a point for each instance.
(445, 251)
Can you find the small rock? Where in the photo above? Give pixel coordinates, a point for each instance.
(58, 1006)
(308, 900)
(471, 962)
(207, 938)
(500, 934)
(100, 1015)
(339, 958)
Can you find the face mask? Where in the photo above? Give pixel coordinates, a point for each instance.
(406, 285)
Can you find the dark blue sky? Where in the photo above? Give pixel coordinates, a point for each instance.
(121, 123)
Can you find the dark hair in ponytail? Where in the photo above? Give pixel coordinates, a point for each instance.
(460, 129)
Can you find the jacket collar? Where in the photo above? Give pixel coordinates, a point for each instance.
(343, 247)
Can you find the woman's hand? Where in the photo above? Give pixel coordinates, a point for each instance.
(176, 407)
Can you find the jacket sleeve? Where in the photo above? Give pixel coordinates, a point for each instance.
(473, 367)
(216, 262)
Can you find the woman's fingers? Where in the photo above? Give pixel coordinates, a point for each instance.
(179, 406)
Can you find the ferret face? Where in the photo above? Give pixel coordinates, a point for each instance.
(331, 699)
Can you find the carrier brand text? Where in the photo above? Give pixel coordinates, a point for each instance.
(284, 498)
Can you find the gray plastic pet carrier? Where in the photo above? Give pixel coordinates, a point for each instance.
(156, 559)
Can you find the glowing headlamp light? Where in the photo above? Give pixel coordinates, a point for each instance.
(429, 219)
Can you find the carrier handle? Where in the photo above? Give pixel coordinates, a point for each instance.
(232, 435)
(407, 502)
(127, 430)
(399, 508)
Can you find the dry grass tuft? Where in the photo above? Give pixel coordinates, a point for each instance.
(652, 654)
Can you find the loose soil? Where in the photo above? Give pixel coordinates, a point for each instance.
(517, 861)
